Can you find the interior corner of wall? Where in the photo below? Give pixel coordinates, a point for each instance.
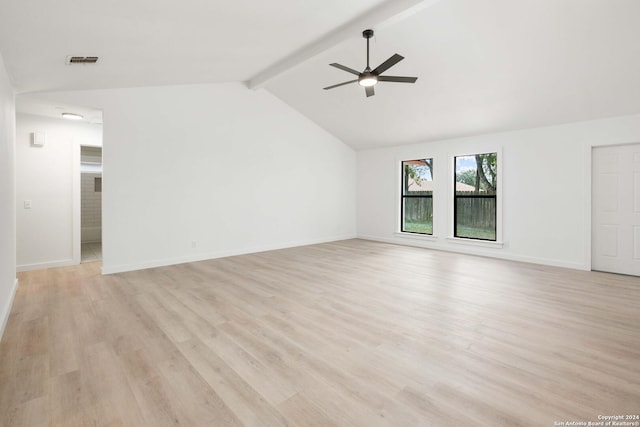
(6, 310)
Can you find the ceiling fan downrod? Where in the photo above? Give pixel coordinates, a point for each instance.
(367, 34)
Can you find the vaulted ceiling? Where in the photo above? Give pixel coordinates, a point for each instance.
(482, 66)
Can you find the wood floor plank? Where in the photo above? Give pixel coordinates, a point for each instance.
(107, 393)
(249, 407)
(250, 368)
(156, 398)
(304, 413)
(349, 333)
(69, 403)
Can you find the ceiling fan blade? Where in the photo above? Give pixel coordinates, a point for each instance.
(397, 79)
(369, 91)
(340, 84)
(388, 64)
(347, 69)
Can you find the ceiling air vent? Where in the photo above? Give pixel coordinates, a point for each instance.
(81, 60)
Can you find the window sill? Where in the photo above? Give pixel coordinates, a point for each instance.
(415, 236)
(472, 242)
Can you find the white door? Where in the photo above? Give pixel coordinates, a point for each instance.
(615, 220)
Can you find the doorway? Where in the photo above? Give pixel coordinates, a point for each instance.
(615, 215)
(90, 203)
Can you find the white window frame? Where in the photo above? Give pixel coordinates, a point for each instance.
(498, 243)
(398, 207)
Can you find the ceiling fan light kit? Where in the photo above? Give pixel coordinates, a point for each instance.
(369, 78)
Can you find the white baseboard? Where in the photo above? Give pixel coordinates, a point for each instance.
(45, 265)
(6, 310)
(468, 250)
(111, 269)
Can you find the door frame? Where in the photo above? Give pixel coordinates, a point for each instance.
(590, 199)
(77, 200)
(76, 216)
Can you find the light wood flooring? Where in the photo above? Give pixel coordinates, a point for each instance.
(350, 333)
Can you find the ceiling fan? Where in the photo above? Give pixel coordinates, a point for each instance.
(369, 78)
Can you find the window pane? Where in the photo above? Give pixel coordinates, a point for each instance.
(477, 174)
(418, 215)
(417, 191)
(476, 217)
(475, 196)
(417, 177)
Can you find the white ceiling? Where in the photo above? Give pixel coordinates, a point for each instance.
(30, 105)
(158, 42)
(482, 66)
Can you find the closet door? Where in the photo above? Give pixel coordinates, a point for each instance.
(616, 209)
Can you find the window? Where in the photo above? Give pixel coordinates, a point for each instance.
(417, 196)
(476, 180)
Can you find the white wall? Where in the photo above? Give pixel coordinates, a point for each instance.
(546, 192)
(202, 171)
(7, 197)
(45, 176)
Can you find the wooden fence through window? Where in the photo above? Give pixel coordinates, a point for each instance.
(473, 209)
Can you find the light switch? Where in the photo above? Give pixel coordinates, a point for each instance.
(27, 204)
(37, 139)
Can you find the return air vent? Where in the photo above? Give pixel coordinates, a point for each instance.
(81, 60)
